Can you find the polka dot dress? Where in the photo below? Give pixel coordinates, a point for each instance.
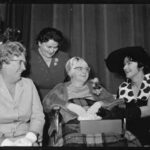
(125, 91)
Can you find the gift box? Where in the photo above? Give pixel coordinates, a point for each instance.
(102, 126)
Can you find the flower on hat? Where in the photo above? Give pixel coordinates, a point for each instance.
(56, 60)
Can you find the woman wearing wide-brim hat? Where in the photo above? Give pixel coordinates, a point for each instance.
(133, 63)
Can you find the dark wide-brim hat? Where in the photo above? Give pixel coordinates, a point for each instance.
(115, 60)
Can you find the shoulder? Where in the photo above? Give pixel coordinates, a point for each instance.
(61, 54)
(59, 88)
(58, 91)
(34, 56)
(34, 52)
(27, 81)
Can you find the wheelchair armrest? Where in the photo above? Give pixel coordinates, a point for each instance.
(54, 121)
(55, 126)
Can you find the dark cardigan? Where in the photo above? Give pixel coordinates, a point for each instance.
(44, 77)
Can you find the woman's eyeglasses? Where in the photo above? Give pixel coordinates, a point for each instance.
(20, 61)
(87, 69)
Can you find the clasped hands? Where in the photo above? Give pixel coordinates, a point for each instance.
(27, 140)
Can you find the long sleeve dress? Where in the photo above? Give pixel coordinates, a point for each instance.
(44, 77)
(22, 114)
(139, 126)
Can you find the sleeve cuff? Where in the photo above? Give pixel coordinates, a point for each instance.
(31, 136)
(7, 142)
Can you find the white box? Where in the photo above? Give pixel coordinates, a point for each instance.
(101, 126)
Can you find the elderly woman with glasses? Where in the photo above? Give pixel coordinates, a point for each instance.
(21, 112)
(78, 99)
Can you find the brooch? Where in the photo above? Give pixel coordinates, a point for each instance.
(56, 60)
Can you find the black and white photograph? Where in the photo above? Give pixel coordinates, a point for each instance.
(74, 74)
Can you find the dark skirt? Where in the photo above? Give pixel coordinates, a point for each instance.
(141, 129)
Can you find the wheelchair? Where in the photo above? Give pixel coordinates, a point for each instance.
(113, 138)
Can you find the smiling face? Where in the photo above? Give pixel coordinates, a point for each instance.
(131, 68)
(79, 71)
(12, 70)
(49, 48)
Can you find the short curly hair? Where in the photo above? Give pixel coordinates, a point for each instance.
(10, 49)
(48, 33)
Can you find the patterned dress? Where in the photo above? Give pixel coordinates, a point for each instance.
(140, 127)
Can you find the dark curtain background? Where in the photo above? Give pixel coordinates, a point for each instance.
(92, 30)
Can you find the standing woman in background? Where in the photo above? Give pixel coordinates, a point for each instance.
(47, 61)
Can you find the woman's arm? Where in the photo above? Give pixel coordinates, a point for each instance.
(145, 110)
(37, 120)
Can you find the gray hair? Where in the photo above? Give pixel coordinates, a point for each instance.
(10, 49)
(72, 62)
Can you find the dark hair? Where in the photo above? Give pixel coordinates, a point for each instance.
(146, 68)
(48, 33)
